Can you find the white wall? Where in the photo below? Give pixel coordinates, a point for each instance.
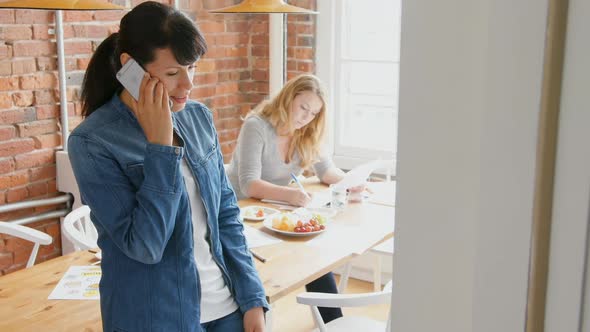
(572, 181)
(469, 99)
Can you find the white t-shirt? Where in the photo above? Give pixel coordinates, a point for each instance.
(216, 299)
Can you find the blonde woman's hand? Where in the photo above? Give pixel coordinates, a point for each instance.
(298, 197)
(153, 111)
(254, 320)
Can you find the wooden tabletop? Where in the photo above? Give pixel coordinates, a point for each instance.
(290, 264)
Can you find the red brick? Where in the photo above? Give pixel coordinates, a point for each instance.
(260, 39)
(261, 63)
(46, 64)
(5, 68)
(211, 27)
(78, 16)
(260, 75)
(78, 47)
(261, 27)
(82, 63)
(8, 83)
(35, 158)
(37, 189)
(44, 97)
(109, 15)
(205, 66)
(202, 92)
(27, 16)
(16, 116)
(14, 147)
(16, 194)
(205, 78)
(47, 141)
(23, 66)
(13, 179)
(52, 186)
(17, 32)
(43, 172)
(22, 99)
(7, 165)
(305, 67)
(7, 132)
(5, 51)
(260, 51)
(37, 127)
(47, 111)
(33, 48)
(6, 16)
(5, 258)
(237, 26)
(41, 31)
(304, 53)
(39, 80)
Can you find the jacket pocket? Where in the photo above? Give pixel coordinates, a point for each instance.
(135, 174)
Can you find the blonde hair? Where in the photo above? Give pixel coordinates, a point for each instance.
(306, 140)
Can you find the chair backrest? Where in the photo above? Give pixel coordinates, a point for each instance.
(386, 167)
(79, 229)
(29, 234)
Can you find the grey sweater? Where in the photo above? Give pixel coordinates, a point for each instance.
(256, 157)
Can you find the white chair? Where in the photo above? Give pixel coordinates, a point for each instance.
(347, 322)
(29, 234)
(78, 228)
(380, 251)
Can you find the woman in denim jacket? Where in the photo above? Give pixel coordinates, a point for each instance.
(174, 253)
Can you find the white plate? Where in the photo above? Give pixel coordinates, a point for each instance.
(268, 224)
(249, 212)
(98, 255)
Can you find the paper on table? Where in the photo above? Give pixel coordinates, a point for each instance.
(78, 283)
(383, 192)
(351, 238)
(359, 175)
(257, 238)
(319, 199)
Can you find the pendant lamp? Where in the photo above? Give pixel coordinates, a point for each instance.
(263, 6)
(59, 4)
(277, 32)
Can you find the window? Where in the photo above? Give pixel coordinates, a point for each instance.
(358, 59)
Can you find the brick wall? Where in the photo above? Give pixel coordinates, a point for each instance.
(230, 79)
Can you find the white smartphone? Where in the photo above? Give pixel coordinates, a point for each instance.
(130, 77)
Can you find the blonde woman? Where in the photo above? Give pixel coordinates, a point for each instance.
(281, 137)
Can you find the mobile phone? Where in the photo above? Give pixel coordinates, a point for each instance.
(130, 77)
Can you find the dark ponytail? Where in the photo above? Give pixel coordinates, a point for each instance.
(100, 82)
(148, 27)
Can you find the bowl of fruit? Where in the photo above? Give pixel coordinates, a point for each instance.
(296, 224)
(257, 213)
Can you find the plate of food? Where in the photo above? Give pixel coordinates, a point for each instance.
(297, 223)
(257, 213)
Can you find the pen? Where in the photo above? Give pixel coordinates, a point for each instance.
(260, 258)
(299, 184)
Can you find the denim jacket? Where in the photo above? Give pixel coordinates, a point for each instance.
(141, 210)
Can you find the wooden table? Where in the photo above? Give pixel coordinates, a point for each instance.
(290, 265)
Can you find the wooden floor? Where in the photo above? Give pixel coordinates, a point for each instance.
(293, 317)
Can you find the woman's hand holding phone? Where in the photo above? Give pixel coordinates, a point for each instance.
(153, 111)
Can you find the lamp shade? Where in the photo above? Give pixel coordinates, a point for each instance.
(60, 4)
(263, 6)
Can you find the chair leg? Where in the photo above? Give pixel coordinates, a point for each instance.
(344, 277)
(33, 255)
(317, 318)
(377, 273)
